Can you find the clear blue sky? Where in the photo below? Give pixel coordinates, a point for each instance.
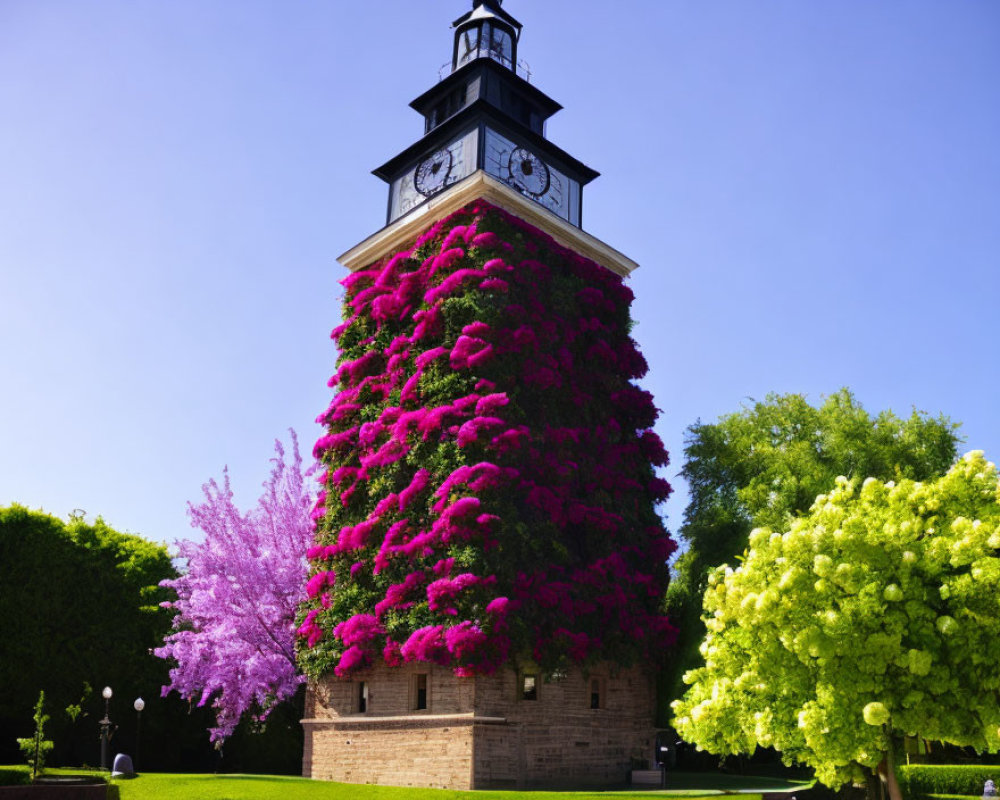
(812, 190)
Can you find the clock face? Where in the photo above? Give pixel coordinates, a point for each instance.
(432, 173)
(524, 170)
(528, 172)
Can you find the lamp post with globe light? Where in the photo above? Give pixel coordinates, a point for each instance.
(138, 705)
(105, 727)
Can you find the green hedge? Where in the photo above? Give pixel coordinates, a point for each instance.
(921, 780)
(14, 776)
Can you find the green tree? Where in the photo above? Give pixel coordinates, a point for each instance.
(79, 603)
(873, 617)
(763, 464)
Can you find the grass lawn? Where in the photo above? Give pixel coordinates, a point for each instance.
(692, 784)
(954, 796)
(21, 773)
(168, 786)
(274, 787)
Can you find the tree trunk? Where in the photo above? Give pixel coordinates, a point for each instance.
(893, 784)
(890, 772)
(872, 783)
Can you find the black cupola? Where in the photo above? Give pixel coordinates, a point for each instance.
(485, 115)
(486, 32)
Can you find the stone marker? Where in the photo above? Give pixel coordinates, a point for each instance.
(123, 767)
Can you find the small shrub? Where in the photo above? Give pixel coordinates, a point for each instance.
(36, 748)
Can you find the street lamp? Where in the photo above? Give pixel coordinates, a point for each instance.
(138, 705)
(105, 728)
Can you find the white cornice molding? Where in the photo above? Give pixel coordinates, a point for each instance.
(477, 186)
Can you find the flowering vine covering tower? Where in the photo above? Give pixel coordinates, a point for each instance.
(487, 539)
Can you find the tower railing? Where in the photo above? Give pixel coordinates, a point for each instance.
(523, 69)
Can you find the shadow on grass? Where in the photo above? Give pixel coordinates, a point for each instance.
(721, 783)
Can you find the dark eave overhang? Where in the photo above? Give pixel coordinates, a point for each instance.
(463, 120)
(486, 64)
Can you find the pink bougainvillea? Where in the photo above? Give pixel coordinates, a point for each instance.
(490, 489)
(233, 644)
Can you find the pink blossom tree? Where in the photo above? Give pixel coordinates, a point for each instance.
(233, 640)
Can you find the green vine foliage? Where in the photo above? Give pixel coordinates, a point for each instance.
(490, 492)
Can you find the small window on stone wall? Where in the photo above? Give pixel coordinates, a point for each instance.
(310, 709)
(529, 686)
(419, 693)
(362, 696)
(597, 693)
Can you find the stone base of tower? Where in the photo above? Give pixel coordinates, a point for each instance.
(482, 732)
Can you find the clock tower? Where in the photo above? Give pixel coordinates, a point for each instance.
(484, 131)
(484, 602)
(486, 115)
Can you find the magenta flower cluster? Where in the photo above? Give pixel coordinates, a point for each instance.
(490, 488)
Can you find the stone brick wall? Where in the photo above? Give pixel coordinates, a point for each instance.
(422, 751)
(391, 693)
(391, 742)
(479, 732)
(558, 739)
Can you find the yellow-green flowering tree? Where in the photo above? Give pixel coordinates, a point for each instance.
(874, 616)
(766, 463)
